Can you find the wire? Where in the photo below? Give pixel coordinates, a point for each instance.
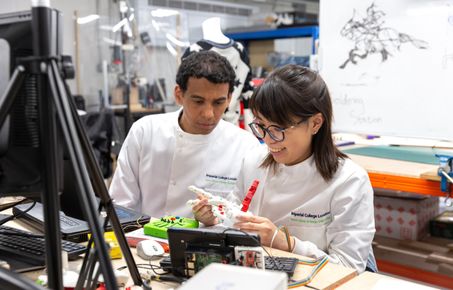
(274, 262)
(145, 266)
(15, 216)
(137, 224)
(168, 278)
(319, 264)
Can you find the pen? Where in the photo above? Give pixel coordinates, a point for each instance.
(249, 196)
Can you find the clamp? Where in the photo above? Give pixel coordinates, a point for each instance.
(445, 172)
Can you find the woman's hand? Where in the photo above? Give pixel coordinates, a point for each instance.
(265, 228)
(202, 212)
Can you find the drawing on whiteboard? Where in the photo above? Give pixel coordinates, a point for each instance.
(363, 80)
(372, 37)
(357, 109)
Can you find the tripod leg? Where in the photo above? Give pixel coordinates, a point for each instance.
(106, 201)
(14, 85)
(88, 200)
(49, 196)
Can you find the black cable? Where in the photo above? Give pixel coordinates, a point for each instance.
(147, 267)
(157, 277)
(15, 216)
(153, 267)
(170, 278)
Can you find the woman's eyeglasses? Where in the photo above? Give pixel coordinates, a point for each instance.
(275, 132)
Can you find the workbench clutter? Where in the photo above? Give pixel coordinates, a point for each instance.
(442, 225)
(404, 216)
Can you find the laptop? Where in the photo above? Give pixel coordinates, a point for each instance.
(74, 229)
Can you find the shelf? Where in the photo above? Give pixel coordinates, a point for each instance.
(401, 175)
(411, 177)
(286, 32)
(415, 273)
(406, 184)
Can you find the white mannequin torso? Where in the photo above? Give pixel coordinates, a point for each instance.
(213, 32)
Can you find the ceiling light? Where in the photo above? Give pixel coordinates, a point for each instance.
(164, 13)
(87, 19)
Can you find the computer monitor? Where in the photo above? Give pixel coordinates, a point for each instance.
(21, 160)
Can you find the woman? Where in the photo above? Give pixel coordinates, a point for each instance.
(320, 198)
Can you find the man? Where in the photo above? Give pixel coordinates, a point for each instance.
(164, 154)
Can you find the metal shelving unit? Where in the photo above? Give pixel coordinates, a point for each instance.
(286, 32)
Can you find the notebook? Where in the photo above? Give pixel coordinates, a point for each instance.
(76, 230)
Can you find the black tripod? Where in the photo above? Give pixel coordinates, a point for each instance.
(57, 108)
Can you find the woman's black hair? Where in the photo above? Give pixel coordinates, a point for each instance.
(294, 91)
(206, 64)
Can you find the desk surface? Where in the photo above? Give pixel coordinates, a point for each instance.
(330, 277)
(375, 281)
(394, 167)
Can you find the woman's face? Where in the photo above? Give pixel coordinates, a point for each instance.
(296, 146)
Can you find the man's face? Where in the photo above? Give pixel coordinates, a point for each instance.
(203, 105)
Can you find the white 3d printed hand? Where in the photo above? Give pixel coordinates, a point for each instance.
(225, 210)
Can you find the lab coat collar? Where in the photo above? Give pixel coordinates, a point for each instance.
(302, 166)
(196, 138)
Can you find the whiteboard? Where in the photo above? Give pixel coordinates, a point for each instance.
(389, 66)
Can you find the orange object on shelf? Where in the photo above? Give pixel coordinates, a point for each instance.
(407, 184)
(415, 274)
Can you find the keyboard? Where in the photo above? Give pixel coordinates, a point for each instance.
(283, 264)
(15, 244)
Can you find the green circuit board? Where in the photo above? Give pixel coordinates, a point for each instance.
(158, 228)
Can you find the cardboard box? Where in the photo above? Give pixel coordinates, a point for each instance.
(405, 218)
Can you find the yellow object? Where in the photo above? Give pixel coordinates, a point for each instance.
(112, 243)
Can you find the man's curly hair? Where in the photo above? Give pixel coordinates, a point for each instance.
(206, 64)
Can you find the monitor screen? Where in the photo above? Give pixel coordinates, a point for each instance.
(19, 143)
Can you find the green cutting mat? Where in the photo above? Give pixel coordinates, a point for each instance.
(405, 153)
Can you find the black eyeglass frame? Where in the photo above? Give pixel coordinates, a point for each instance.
(266, 130)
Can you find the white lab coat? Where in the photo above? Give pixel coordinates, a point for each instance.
(158, 161)
(334, 218)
